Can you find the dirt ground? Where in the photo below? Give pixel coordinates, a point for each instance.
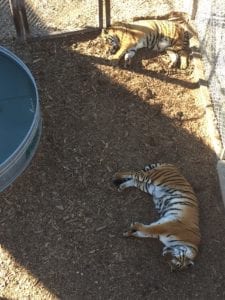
(61, 222)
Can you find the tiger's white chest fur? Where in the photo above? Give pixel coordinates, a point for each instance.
(155, 191)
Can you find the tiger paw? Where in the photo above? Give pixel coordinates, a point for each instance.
(132, 230)
(135, 226)
(127, 234)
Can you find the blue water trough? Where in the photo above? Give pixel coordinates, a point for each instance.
(20, 119)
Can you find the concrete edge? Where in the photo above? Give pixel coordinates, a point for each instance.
(203, 95)
(221, 174)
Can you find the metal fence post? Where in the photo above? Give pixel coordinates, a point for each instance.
(107, 13)
(19, 15)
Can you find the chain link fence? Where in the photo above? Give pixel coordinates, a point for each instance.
(7, 28)
(47, 17)
(210, 22)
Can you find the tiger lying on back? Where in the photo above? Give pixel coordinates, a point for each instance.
(177, 205)
(125, 39)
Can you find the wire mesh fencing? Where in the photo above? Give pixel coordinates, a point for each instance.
(7, 28)
(210, 21)
(46, 17)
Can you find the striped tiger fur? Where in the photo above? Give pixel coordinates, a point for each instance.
(124, 39)
(174, 199)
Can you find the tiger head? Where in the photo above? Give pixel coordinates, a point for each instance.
(111, 40)
(177, 259)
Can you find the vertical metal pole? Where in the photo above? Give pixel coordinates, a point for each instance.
(100, 13)
(19, 15)
(16, 17)
(107, 13)
(24, 17)
(194, 9)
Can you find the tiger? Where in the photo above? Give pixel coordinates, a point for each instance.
(176, 202)
(124, 39)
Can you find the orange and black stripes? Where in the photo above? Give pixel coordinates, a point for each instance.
(177, 205)
(124, 39)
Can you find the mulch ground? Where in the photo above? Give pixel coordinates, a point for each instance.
(61, 222)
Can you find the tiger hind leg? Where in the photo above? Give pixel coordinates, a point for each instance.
(154, 230)
(183, 59)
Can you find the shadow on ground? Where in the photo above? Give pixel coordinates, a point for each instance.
(63, 220)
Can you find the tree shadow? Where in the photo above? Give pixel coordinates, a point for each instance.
(62, 219)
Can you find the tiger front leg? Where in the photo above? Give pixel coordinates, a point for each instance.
(115, 59)
(141, 231)
(128, 51)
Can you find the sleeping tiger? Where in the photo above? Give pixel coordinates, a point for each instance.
(177, 205)
(124, 39)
